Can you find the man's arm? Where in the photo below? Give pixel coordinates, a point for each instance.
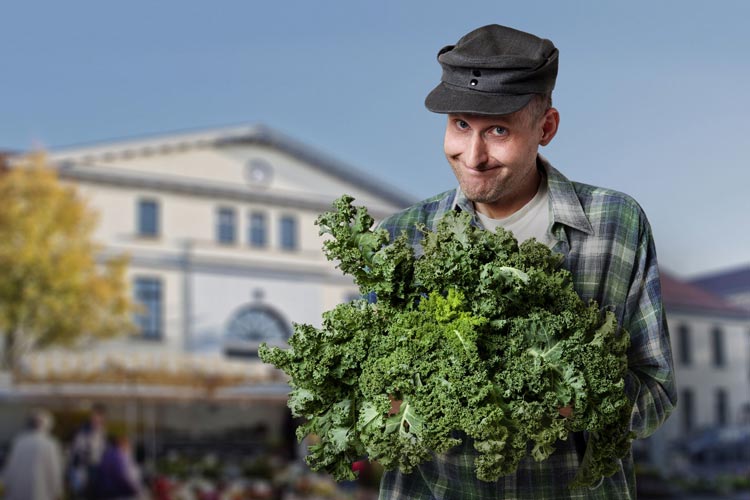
(650, 380)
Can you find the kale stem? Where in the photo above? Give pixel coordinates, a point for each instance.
(461, 339)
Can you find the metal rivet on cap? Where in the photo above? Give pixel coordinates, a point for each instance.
(476, 72)
(473, 83)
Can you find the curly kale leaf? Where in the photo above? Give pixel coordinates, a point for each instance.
(353, 243)
(338, 446)
(378, 268)
(395, 440)
(323, 366)
(479, 337)
(428, 360)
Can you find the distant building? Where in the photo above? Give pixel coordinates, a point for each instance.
(711, 350)
(219, 227)
(732, 284)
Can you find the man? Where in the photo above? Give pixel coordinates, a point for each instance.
(34, 468)
(496, 92)
(118, 476)
(86, 453)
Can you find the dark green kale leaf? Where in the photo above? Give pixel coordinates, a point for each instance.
(427, 361)
(479, 338)
(377, 267)
(323, 366)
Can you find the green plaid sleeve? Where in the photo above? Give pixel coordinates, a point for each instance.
(425, 213)
(615, 264)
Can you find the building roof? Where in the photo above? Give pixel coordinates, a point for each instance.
(727, 282)
(262, 135)
(682, 296)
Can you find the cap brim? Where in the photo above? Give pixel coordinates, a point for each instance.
(447, 98)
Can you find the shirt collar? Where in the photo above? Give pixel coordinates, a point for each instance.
(566, 207)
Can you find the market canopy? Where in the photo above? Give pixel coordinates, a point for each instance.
(146, 374)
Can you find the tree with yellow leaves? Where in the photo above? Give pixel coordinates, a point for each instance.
(54, 287)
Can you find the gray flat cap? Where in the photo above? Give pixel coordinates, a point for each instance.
(493, 70)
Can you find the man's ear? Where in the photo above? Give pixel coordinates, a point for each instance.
(550, 123)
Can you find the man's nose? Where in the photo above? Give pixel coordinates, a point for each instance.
(476, 155)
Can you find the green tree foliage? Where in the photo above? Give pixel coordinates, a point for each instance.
(53, 289)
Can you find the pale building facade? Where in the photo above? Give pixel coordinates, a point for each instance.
(713, 367)
(219, 226)
(224, 254)
(711, 351)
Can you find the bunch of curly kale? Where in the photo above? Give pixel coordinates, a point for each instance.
(477, 335)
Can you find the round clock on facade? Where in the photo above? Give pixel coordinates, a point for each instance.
(258, 172)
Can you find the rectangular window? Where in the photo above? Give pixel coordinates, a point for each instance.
(717, 342)
(687, 407)
(226, 227)
(288, 232)
(148, 218)
(257, 232)
(148, 294)
(722, 408)
(683, 337)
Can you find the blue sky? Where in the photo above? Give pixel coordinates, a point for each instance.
(652, 95)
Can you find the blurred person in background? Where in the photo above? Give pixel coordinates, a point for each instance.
(118, 476)
(86, 453)
(34, 469)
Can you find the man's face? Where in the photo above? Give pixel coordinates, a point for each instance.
(494, 158)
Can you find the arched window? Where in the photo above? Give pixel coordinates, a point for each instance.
(252, 325)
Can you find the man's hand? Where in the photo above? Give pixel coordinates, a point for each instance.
(395, 406)
(565, 411)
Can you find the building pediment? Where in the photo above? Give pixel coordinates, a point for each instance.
(252, 162)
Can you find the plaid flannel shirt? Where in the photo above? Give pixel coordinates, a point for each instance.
(607, 245)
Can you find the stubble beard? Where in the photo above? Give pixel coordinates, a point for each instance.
(487, 195)
(496, 188)
(488, 192)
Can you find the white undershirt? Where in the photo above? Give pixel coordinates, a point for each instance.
(530, 221)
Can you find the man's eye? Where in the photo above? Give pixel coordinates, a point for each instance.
(499, 131)
(462, 124)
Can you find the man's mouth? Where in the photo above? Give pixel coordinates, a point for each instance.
(481, 170)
